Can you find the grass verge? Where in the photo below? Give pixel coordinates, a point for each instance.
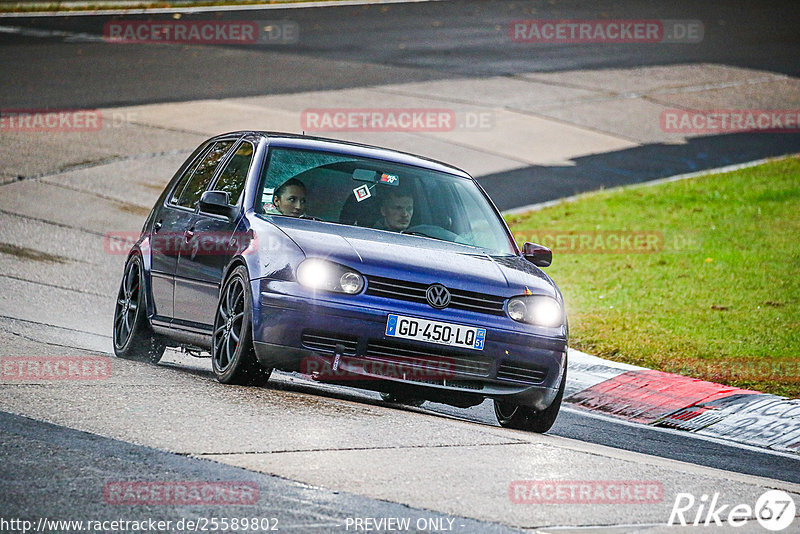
(712, 290)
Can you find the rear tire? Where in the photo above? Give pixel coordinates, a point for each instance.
(511, 415)
(233, 355)
(134, 339)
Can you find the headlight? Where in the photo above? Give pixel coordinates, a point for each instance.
(538, 310)
(328, 276)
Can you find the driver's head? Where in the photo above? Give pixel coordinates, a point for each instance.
(397, 209)
(290, 198)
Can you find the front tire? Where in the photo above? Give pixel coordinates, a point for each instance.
(134, 339)
(511, 415)
(233, 356)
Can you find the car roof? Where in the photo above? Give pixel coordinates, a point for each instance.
(288, 140)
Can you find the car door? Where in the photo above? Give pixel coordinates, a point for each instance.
(213, 240)
(184, 201)
(169, 225)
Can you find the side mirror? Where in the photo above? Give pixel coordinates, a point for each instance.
(216, 202)
(538, 255)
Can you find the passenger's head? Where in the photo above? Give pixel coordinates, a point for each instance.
(290, 198)
(397, 208)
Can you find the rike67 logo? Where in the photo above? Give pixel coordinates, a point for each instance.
(774, 510)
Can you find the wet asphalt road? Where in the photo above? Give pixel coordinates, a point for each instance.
(352, 47)
(356, 46)
(54, 473)
(579, 424)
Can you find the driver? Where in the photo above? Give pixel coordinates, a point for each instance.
(397, 208)
(290, 198)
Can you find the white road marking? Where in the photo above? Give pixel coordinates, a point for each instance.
(206, 9)
(46, 34)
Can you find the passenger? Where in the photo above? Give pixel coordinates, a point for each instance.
(290, 198)
(397, 208)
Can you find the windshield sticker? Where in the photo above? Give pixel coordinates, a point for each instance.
(362, 192)
(390, 179)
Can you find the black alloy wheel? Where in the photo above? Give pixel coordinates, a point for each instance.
(134, 339)
(233, 356)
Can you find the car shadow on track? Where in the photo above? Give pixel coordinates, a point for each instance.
(541, 183)
(298, 383)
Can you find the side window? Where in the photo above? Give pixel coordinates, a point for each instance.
(176, 193)
(234, 174)
(203, 173)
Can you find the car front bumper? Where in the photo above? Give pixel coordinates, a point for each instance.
(342, 339)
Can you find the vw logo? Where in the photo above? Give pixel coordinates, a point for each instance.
(438, 296)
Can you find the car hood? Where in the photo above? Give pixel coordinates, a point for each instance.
(418, 259)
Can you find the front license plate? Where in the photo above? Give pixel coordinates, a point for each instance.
(454, 335)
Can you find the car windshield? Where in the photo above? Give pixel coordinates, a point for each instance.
(373, 193)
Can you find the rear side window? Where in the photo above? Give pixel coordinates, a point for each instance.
(176, 193)
(201, 177)
(234, 175)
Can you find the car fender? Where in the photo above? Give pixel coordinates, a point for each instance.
(142, 249)
(271, 254)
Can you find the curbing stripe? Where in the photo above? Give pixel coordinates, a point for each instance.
(647, 396)
(586, 371)
(763, 420)
(660, 399)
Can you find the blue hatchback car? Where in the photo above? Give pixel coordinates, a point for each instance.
(351, 264)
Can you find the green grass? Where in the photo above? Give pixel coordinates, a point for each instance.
(719, 299)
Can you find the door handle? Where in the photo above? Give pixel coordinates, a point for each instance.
(157, 226)
(189, 234)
